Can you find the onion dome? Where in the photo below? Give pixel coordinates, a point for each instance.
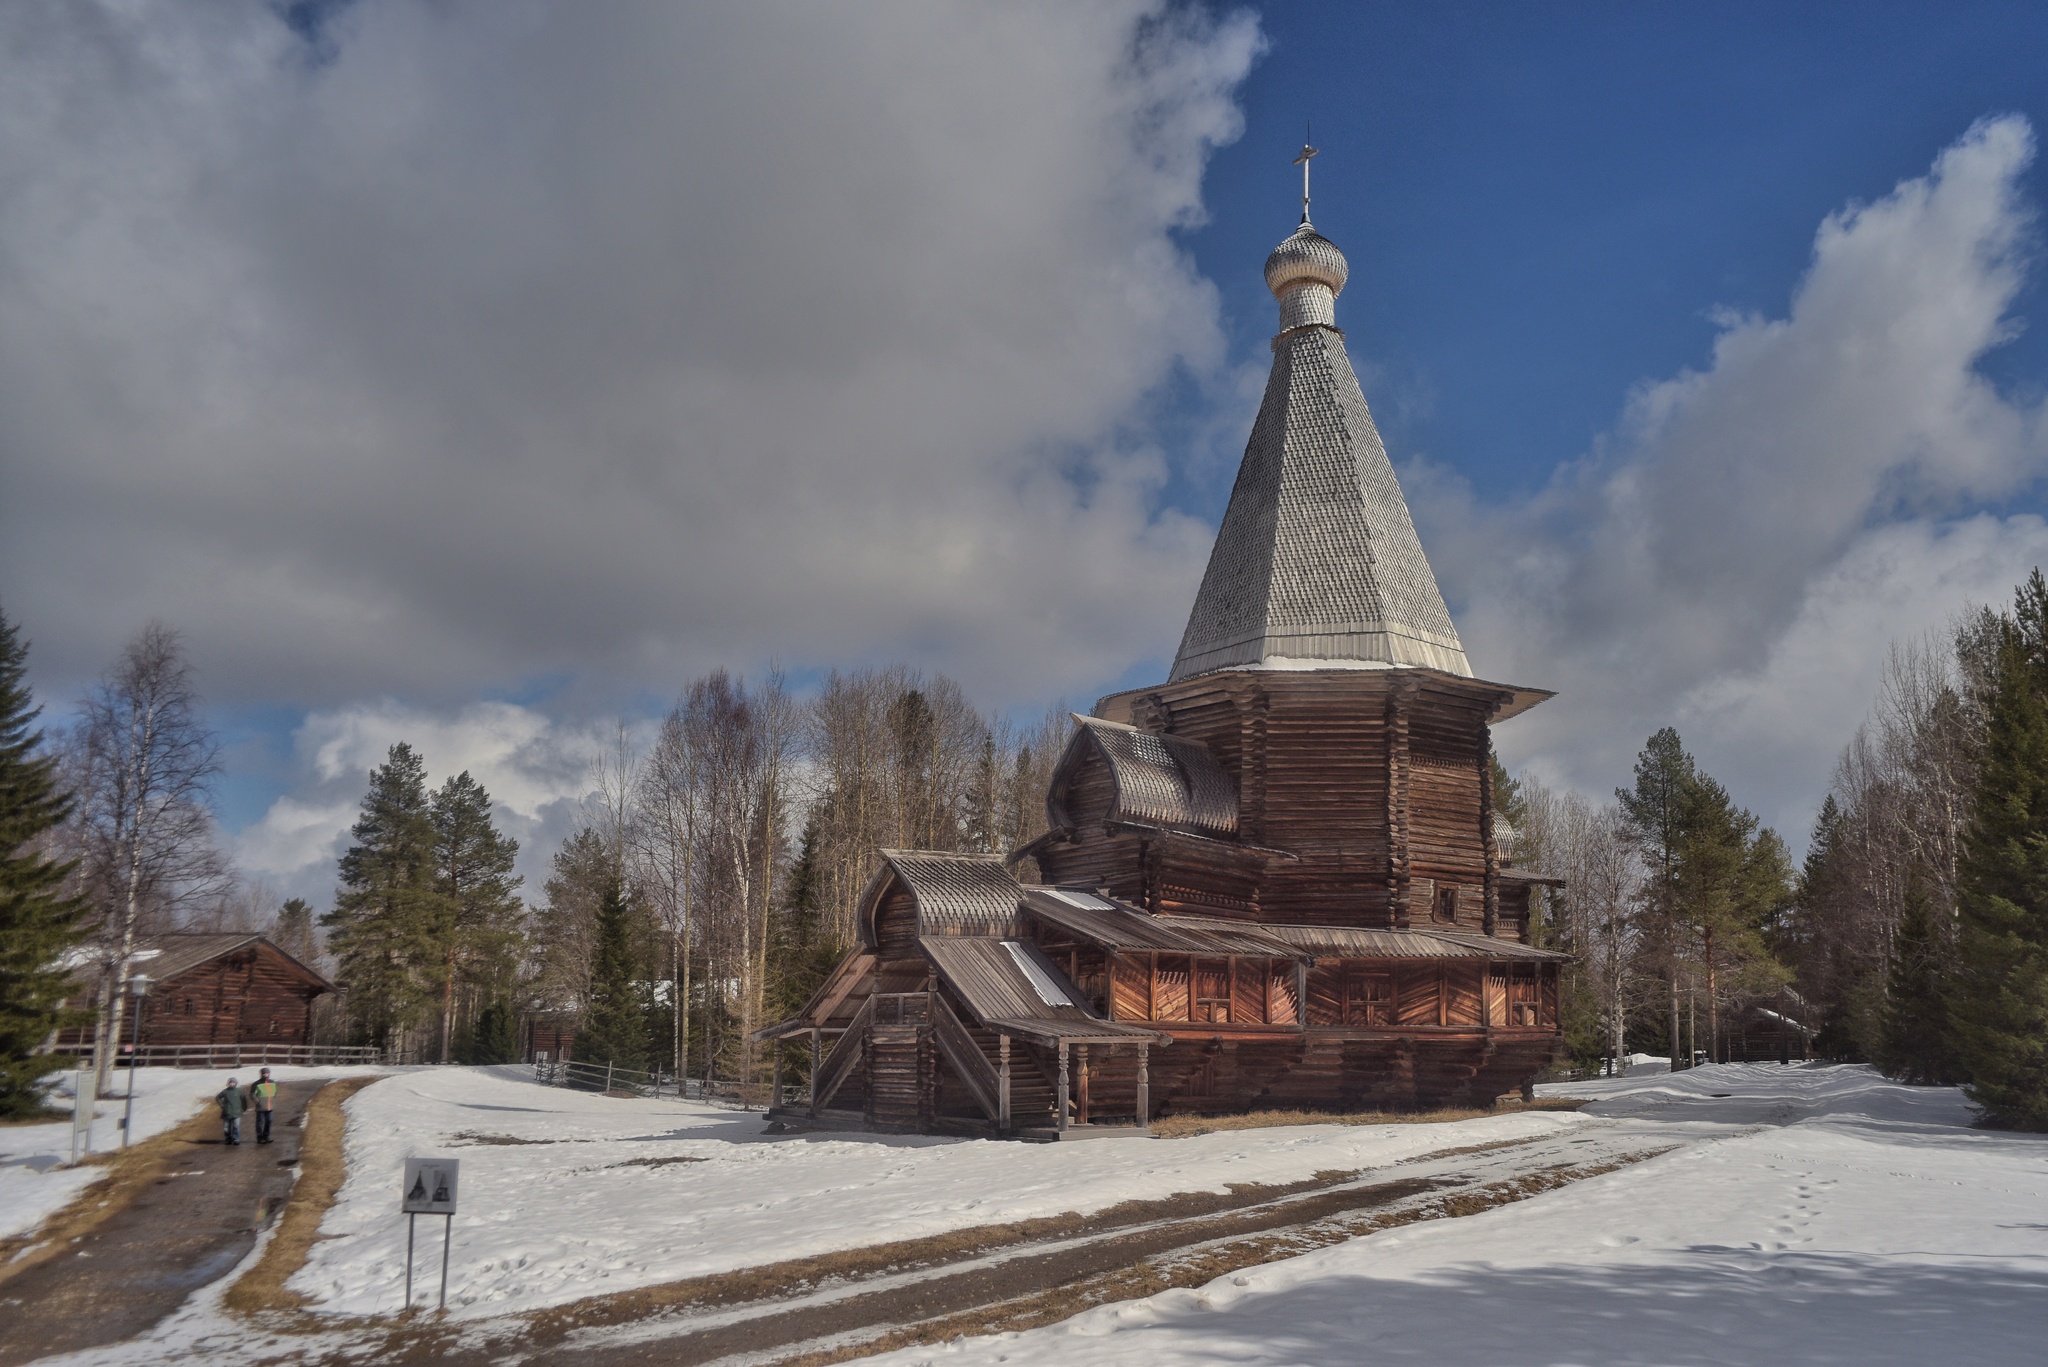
(1306, 258)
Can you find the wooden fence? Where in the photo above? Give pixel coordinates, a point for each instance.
(234, 1055)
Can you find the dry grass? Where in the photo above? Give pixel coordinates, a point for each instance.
(321, 1170)
(128, 1171)
(1200, 1267)
(1188, 1126)
(798, 1275)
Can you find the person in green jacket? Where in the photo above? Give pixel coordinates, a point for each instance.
(262, 1099)
(232, 1102)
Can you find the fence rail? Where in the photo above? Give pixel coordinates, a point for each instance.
(233, 1055)
(605, 1077)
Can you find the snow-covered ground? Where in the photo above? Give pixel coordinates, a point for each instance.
(1845, 1219)
(35, 1176)
(588, 1198)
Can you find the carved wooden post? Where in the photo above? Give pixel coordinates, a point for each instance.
(1081, 1093)
(1301, 994)
(1490, 891)
(1003, 1082)
(775, 1096)
(1398, 909)
(1144, 1089)
(1061, 1104)
(814, 1070)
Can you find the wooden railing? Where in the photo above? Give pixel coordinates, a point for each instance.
(966, 1058)
(834, 1071)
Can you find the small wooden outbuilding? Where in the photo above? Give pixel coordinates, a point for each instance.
(213, 988)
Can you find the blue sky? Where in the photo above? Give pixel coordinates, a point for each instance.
(477, 375)
(1543, 203)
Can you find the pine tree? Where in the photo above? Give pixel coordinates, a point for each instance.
(2000, 1010)
(292, 932)
(614, 1028)
(1655, 810)
(381, 931)
(477, 905)
(38, 923)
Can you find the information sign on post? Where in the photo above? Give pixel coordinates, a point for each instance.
(429, 1189)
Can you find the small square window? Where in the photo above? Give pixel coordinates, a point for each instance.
(1446, 904)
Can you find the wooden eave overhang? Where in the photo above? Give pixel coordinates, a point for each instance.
(1121, 927)
(1349, 942)
(1503, 700)
(1236, 851)
(1523, 876)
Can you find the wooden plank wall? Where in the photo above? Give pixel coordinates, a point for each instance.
(896, 924)
(248, 997)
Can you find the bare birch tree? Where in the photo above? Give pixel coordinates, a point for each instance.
(143, 764)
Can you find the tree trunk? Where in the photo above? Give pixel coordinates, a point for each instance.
(1713, 1000)
(1675, 1062)
(447, 1004)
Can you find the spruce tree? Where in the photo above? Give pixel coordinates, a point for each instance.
(614, 1027)
(2000, 1010)
(805, 953)
(382, 929)
(1914, 1030)
(38, 923)
(494, 1037)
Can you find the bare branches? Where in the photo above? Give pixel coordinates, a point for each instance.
(143, 763)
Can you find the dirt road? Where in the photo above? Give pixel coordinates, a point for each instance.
(193, 1224)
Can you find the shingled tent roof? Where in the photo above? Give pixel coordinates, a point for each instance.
(1317, 563)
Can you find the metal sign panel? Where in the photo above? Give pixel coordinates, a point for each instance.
(429, 1186)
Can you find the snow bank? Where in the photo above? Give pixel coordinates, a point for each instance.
(566, 1194)
(1858, 1221)
(34, 1181)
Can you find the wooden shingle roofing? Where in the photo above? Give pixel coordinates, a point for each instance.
(1347, 942)
(1010, 986)
(175, 953)
(955, 894)
(1115, 925)
(1167, 781)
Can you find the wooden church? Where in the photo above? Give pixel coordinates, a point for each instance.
(1270, 881)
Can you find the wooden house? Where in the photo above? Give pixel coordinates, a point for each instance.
(231, 987)
(1271, 880)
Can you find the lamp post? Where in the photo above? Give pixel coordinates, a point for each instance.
(139, 987)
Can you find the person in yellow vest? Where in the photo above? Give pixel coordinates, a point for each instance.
(262, 1100)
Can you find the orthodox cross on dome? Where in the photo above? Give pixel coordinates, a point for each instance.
(1302, 161)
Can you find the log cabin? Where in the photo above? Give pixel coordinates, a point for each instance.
(233, 987)
(1270, 881)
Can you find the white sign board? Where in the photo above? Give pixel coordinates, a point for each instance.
(429, 1186)
(81, 1115)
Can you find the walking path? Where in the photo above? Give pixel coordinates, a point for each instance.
(198, 1219)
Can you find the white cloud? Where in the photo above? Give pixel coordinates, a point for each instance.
(537, 770)
(1736, 556)
(484, 343)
